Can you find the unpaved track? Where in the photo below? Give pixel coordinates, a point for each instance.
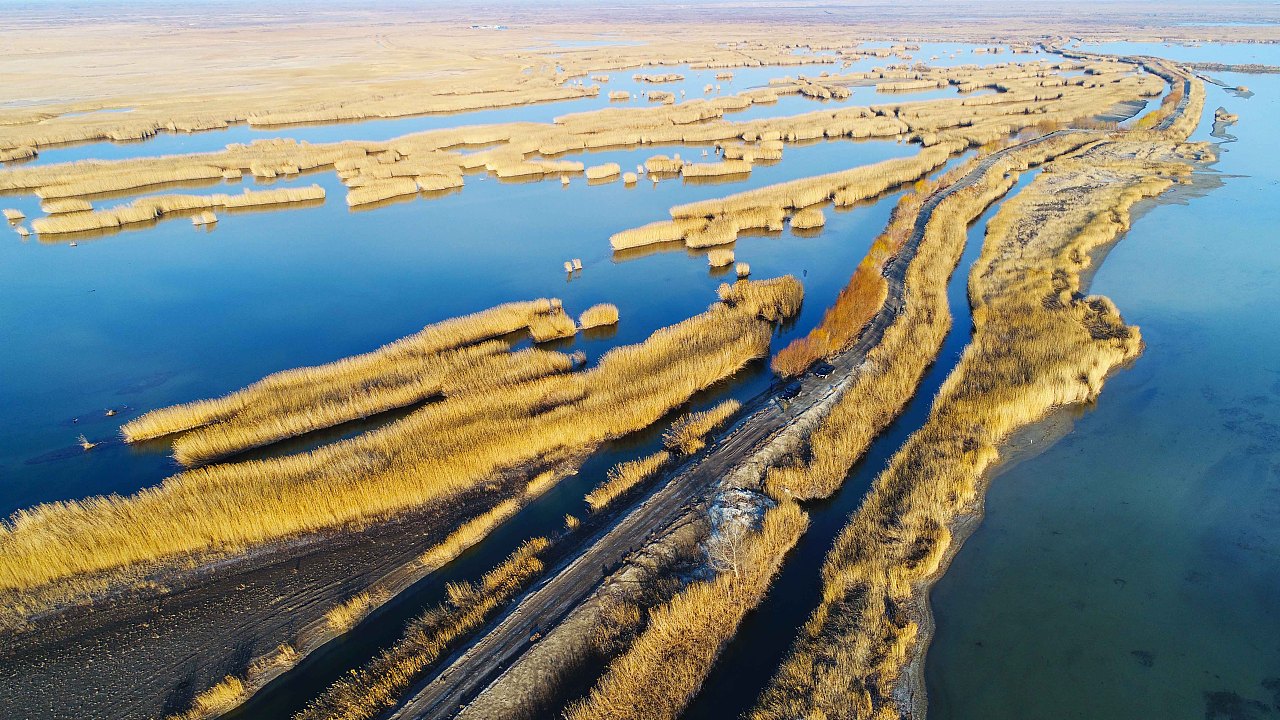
(143, 657)
(470, 669)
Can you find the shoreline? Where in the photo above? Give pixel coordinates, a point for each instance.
(911, 691)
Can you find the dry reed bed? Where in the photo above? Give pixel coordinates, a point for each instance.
(370, 169)
(624, 476)
(156, 206)
(893, 368)
(861, 298)
(687, 435)
(601, 315)
(93, 177)
(604, 171)
(446, 358)
(716, 169)
(433, 453)
(718, 221)
(683, 637)
(1037, 345)
(373, 688)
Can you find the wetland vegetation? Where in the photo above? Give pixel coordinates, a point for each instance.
(426, 415)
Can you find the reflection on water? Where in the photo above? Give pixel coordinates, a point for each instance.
(380, 129)
(171, 314)
(1133, 569)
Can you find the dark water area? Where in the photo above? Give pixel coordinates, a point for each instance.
(1133, 569)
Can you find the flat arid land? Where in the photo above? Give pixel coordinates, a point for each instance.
(600, 360)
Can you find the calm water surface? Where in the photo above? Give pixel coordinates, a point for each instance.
(146, 318)
(1133, 569)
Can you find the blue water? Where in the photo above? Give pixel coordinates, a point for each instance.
(374, 130)
(1132, 570)
(146, 318)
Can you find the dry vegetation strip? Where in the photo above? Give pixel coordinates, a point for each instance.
(445, 358)
(1037, 344)
(663, 669)
(434, 452)
(624, 476)
(368, 691)
(718, 221)
(888, 378)
(688, 434)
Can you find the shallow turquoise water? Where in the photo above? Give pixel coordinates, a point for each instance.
(1133, 569)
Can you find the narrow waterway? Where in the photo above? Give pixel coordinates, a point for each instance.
(1132, 570)
(762, 641)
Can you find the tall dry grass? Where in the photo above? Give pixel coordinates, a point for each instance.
(373, 688)
(443, 358)
(720, 258)
(860, 299)
(662, 670)
(624, 476)
(603, 172)
(552, 326)
(716, 169)
(1037, 344)
(687, 435)
(808, 219)
(888, 378)
(600, 315)
(435, 452)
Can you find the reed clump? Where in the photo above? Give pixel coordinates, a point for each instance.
(65, 205)
(602, 172)
(664, 164)
(653, 233)
(683, 637)
(600, 315)
(373, 688)
(1037, 344)
(552, 326)
(662, 78)
(808, 219)
(624, 476)
(14, 215)
(743, 270)
(893, 368)
(383, 190)
(204, 218)
(433, 453)
(720, 258)
(619, 95)
(344, 616)
(471, 532)
(292, 402)
(687, 435)
(717, 169)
